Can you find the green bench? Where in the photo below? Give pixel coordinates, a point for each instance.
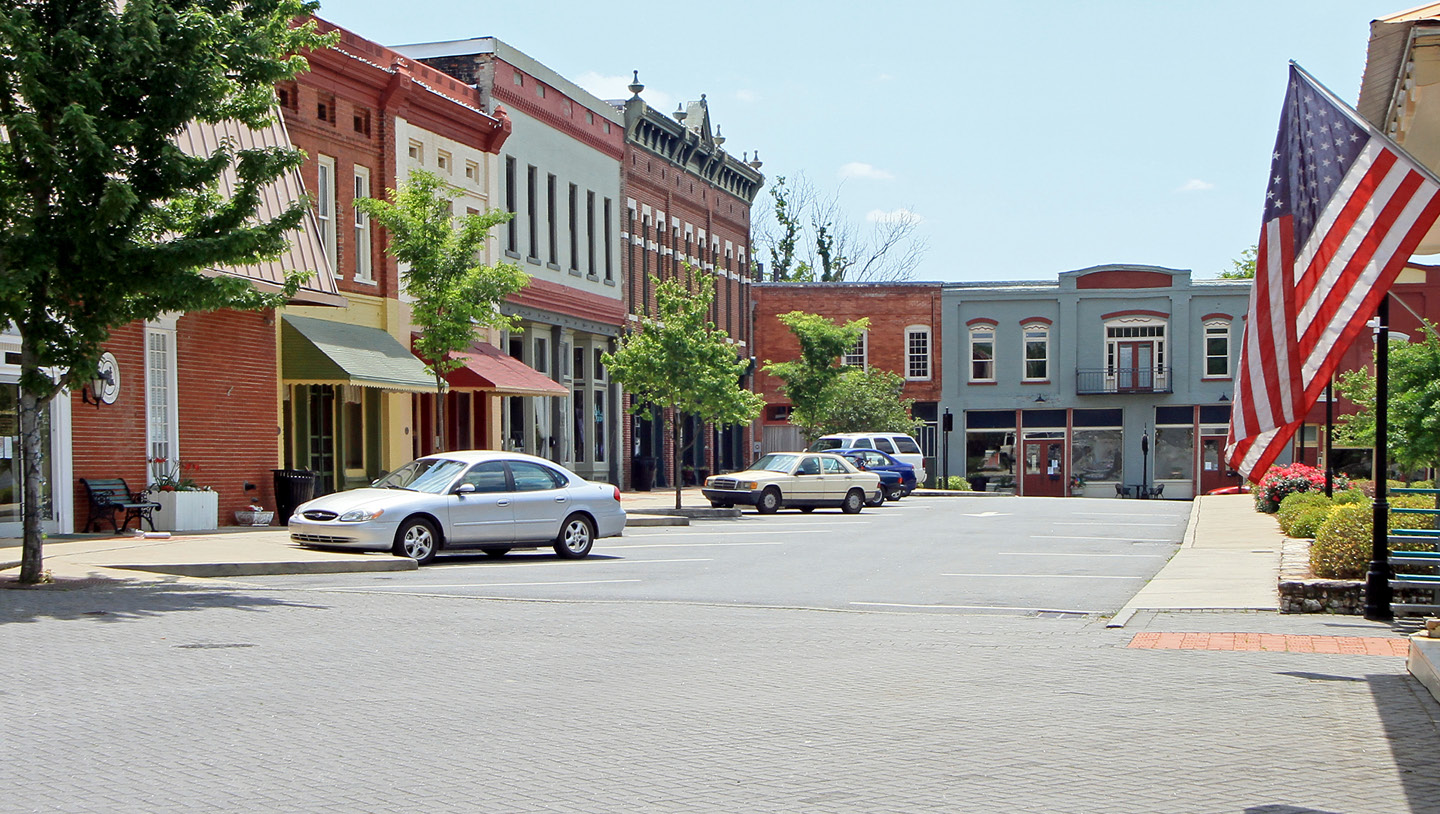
(110, 496)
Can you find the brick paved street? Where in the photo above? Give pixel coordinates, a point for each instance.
(178, 699)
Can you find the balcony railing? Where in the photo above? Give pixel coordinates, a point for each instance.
(1123, 380)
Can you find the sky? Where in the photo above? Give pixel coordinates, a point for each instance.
(1030, 139)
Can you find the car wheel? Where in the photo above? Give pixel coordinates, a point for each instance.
(806, 509)
(418, 540)
(496, 550)
(895, 493)
(769, 501)
(878, 500)
(720, 504)
(577, 537)
(854, 502)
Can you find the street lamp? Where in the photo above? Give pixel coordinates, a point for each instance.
(1144, 465)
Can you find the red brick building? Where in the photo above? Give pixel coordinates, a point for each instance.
(903, 337)
(687, 216)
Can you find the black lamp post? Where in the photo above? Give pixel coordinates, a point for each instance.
(1144, 465)
(947, 422)
(1377, 577)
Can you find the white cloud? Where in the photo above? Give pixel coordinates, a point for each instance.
(616, 87)
(857, 169)
(900, 215)
(1195, 185)
(747, 96)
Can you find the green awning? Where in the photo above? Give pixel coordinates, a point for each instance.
(319, 351)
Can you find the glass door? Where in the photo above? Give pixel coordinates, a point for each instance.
(12, 470)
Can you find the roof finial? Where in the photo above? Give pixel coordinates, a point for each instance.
(719, 139)
(635, 86)
(756, 163)
(680, 112)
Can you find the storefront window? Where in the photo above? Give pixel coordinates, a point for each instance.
(1174, 453)
(1095, 453)
(599, 397)
(11, 470)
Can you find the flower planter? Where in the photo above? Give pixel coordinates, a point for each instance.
(186, 511)
(253, 518)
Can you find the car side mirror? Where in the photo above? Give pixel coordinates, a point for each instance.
(465, 489)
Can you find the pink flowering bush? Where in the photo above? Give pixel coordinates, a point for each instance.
(1282, 481)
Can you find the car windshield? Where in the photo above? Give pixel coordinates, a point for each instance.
(432, 475)
(775, 463)
(826, 443)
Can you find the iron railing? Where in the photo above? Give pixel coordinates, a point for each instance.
(1124, 380)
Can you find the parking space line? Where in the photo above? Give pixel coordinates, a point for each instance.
(1042, 576)
(1111, 539)
(970, 607)
(403, 589)
(1114, 525)
(558, 562)
(662, 533)
(1066, 554)
(684, 545)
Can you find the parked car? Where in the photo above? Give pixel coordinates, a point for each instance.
(803, 480)
(897, 444)
(903, 481)
(475, 499)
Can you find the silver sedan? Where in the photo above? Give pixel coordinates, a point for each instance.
(476, 499)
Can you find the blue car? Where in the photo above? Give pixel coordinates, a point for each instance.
(902, 480)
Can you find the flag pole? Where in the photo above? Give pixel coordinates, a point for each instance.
(1377, 578)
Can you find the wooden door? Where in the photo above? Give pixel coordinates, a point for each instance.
(1214, 472)
(1043, 471)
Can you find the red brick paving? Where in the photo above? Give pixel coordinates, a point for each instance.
(1272, 642)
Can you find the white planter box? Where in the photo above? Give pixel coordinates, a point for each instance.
(186, 511)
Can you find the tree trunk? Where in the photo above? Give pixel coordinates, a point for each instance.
(31, 556)
(675, 452)
(439, 413)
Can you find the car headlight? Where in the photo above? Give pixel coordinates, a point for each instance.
(750, 484)
(360, 515)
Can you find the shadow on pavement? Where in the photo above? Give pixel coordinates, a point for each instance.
(1286, 809)
(111, 600)
(1411, 717)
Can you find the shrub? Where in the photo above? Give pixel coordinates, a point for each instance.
(1294, 505)
(1351, 496)
(1281, 481)
(957, 483)
(1342, 542)
(1308, 522)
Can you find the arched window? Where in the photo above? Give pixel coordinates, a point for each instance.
(1217, 348)
(1135, 358)
(982, 352)
(1037, 351)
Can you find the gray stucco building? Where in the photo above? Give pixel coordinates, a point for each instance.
(1113, 378)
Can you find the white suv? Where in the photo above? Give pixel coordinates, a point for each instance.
(902, 446)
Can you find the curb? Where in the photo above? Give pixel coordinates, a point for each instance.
(693, 514)
(262, 569)
(631, 521)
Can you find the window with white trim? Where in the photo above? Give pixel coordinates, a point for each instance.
(856, 356)
(1037, 351)
(162, 429)
(325, 205)
(363, 271)
(917, 352)
(1135, 354)
(1217, 349)
(982, 353)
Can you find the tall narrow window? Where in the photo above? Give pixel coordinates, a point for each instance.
(856, 356)
(590, 231)
(917, 352)
(161, 420)
(982, 353)
(599, 400)
(1217, 349)
(1037, 351)
(550, 219)
(325, 206)
(363, 272)
(532, 204)
(574, 228)
(609, 247)
(512, 229)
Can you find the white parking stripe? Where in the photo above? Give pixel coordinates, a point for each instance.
(594, 562)
(1041, 576)
(969, 607)
(1112, 539)
(1113, 525)
(711, 533)
(1064, 554)
(402, 589)
(684, 545)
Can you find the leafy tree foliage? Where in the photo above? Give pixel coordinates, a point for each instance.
(808, 240)
(865, 401)
(1242, 268)
(104, 220)
(681, 362)
(807, 380)
(1414, 409)
(456, 296)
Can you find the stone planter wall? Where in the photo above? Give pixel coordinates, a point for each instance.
(1302, 593)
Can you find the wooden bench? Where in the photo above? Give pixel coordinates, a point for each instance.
(111, 495)
(1427, 557)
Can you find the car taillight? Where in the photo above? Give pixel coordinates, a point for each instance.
(617, 493)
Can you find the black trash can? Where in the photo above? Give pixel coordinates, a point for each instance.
(292, 487)
(978, 482)
(643, 473)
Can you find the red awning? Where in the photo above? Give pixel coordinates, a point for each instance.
(488, 369)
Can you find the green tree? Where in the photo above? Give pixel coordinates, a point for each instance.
(104, 220)
(807, 381)
(865, 401)
(681, 362)
(456, 296)
(1244, 267)
(1414, 409)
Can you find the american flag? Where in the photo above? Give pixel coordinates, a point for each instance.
(1344, 209)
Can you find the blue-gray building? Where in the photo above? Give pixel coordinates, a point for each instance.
(1113, 378)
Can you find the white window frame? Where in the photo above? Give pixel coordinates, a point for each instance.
(325, 207)
(858, 356)
(917, 361)
(162, 410)
(981, 333)
(1215, 329)
(416, 151)
(364, 272)
(1037, 332)
(444, 161)
(1160, 328)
